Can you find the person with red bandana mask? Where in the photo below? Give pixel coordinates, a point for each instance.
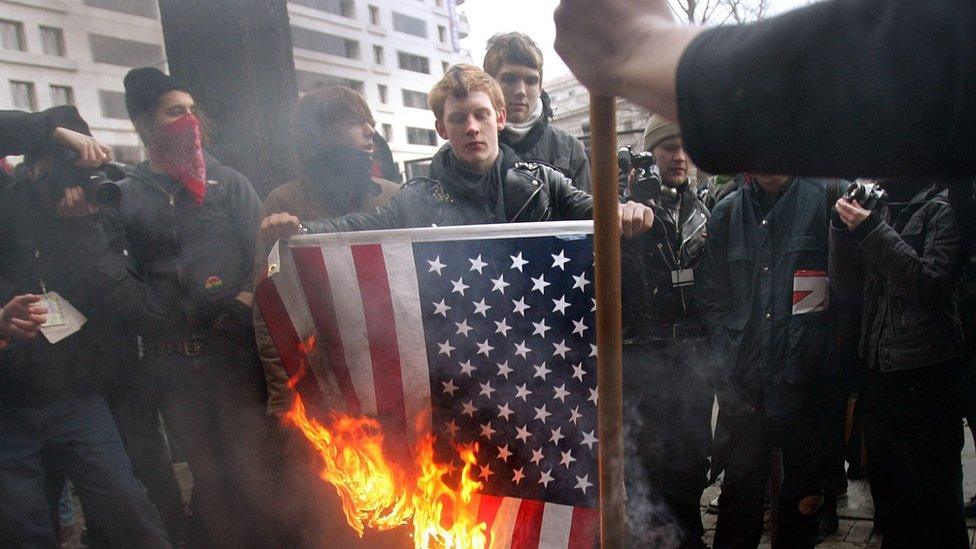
(190, 225)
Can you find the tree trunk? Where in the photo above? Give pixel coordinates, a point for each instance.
(236, 56)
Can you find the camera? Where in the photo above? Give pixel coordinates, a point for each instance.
(99, 188)
(867, 193)
(646, 184)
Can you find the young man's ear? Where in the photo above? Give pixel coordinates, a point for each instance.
(441, 129)
(501, 118)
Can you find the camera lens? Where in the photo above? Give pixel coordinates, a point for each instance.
(855, 192)
(107, 194)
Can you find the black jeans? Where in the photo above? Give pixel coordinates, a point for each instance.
(913, 425)
(668, 400)
(214, 407)
(76, 438)
(746, 434)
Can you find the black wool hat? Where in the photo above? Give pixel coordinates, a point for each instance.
(67, 117)
(143, 88)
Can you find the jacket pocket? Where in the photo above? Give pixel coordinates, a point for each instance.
(807, 349)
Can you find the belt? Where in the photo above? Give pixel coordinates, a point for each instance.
(189, 347)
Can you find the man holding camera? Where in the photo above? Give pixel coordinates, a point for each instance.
(64, 345)
(764, 295)
(904, 258)
(668, 393)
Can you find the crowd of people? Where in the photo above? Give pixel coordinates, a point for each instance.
(129, 324)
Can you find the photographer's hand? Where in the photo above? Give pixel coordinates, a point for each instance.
(75, 204)
(851, 213)
(91, 153)
(22, 317)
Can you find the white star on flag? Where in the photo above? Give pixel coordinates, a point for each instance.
(504, 453)
(518, 262)
(589, 440)
(578, 371)
(477, 264)
(567, 458)
(445, 348)
(504, 370)
(459, 286)
(466, 367)
(480, 307)
(520, 306)
(518, 475)
(486, 430)
(574, 415)
(521, 350)
(561, 349)
(485, 471)
(499, 284)
(541, 371)
(449, 387)
(546, 478)
(469, 409)
(523, 434)
(560, 260)
(541, 413)
(537, 456)
(582, 483)
(441, 308)
(463, 328)
(502, 327)
(540, 328)
(435, 265)
(581, 281)
(484, 348)
(560, 305)
(539, 284)
(452, 427)
(504, 411)
(555, 435)
(522, 392)
(561, 393)
(579, 327)
(593, 396)
(486, 389)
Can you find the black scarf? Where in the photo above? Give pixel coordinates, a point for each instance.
(485, 189)
(340, 176)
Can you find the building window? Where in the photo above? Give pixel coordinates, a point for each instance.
(421, 136)
(62, 95)
(143, 8)
(308, 81)
(127, 53)
(345, 8)
(384, 93)
(378, 54)
(409, 25)
(444, 66)
(23, 95)
(113, 105)
(374, 15)
(52, 39)
(331, 44)
(12, 35)
(128, 154)
(441, 34)
(415, 99)
(388, 132)
(415, 63)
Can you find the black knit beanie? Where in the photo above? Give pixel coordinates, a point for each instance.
(143, 88)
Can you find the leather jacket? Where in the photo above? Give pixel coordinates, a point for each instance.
(530, 192)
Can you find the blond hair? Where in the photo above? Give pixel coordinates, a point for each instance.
(459, 81)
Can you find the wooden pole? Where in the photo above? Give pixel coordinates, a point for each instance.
(606, 243)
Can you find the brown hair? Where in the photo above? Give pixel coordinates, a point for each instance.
(321, 111)
(512, 47)
(459, 81)
(146, 122)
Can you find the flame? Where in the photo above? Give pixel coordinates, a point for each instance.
(377, 493)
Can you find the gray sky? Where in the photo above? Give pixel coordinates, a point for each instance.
(533, 17)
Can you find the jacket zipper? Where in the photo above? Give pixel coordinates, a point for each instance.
(174, 234)
(538, 189)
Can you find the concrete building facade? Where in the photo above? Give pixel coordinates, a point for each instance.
(54, 52)
(571, 108)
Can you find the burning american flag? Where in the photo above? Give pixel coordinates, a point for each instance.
(472, 349)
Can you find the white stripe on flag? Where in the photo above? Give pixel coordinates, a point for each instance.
(405, 294)
(292, 296)
(348, 302)
(504, 524)
(557, 521)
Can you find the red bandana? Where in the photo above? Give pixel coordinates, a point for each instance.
(178, 151)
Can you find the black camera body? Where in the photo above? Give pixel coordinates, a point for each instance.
(99, 188)
(868, 194)
(646, 185)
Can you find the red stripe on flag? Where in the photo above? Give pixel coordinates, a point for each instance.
(487, 510)
(586, 527)
(318, 294)
(286, 340)
(528, 525)
(374, 287)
